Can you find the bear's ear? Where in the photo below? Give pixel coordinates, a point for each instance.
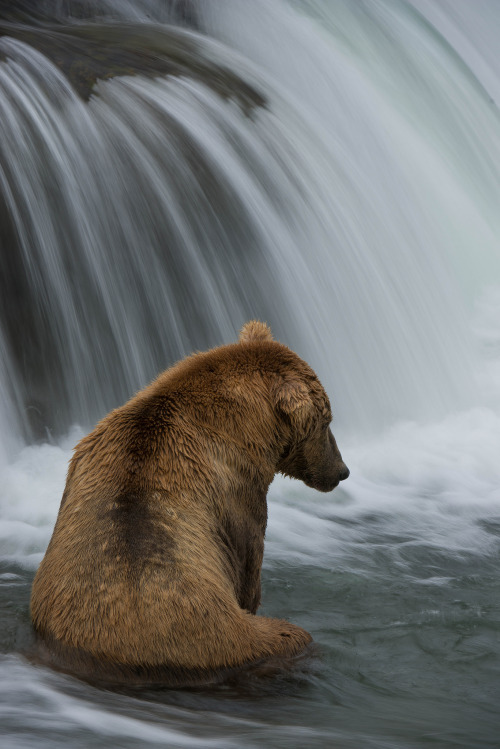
(255, 331)
(292, 397)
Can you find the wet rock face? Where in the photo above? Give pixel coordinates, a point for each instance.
(22, 11)
(88, 54)
(181, 12)
(91, 52)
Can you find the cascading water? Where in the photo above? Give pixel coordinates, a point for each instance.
(171, 169)
(160, 214)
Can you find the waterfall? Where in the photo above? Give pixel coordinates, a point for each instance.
(162, 182)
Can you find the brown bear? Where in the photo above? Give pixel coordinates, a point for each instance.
(152, 574)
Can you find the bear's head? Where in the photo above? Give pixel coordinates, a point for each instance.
(302, 407)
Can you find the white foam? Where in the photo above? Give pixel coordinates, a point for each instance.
(30, 494)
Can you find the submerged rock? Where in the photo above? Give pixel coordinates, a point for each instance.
(86, 53)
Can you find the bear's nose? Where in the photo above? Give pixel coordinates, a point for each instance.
(344, 473)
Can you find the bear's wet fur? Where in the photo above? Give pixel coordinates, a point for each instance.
(152, 574)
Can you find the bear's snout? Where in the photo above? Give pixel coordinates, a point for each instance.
(344, 473)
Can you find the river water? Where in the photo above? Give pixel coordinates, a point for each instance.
(169, 170)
